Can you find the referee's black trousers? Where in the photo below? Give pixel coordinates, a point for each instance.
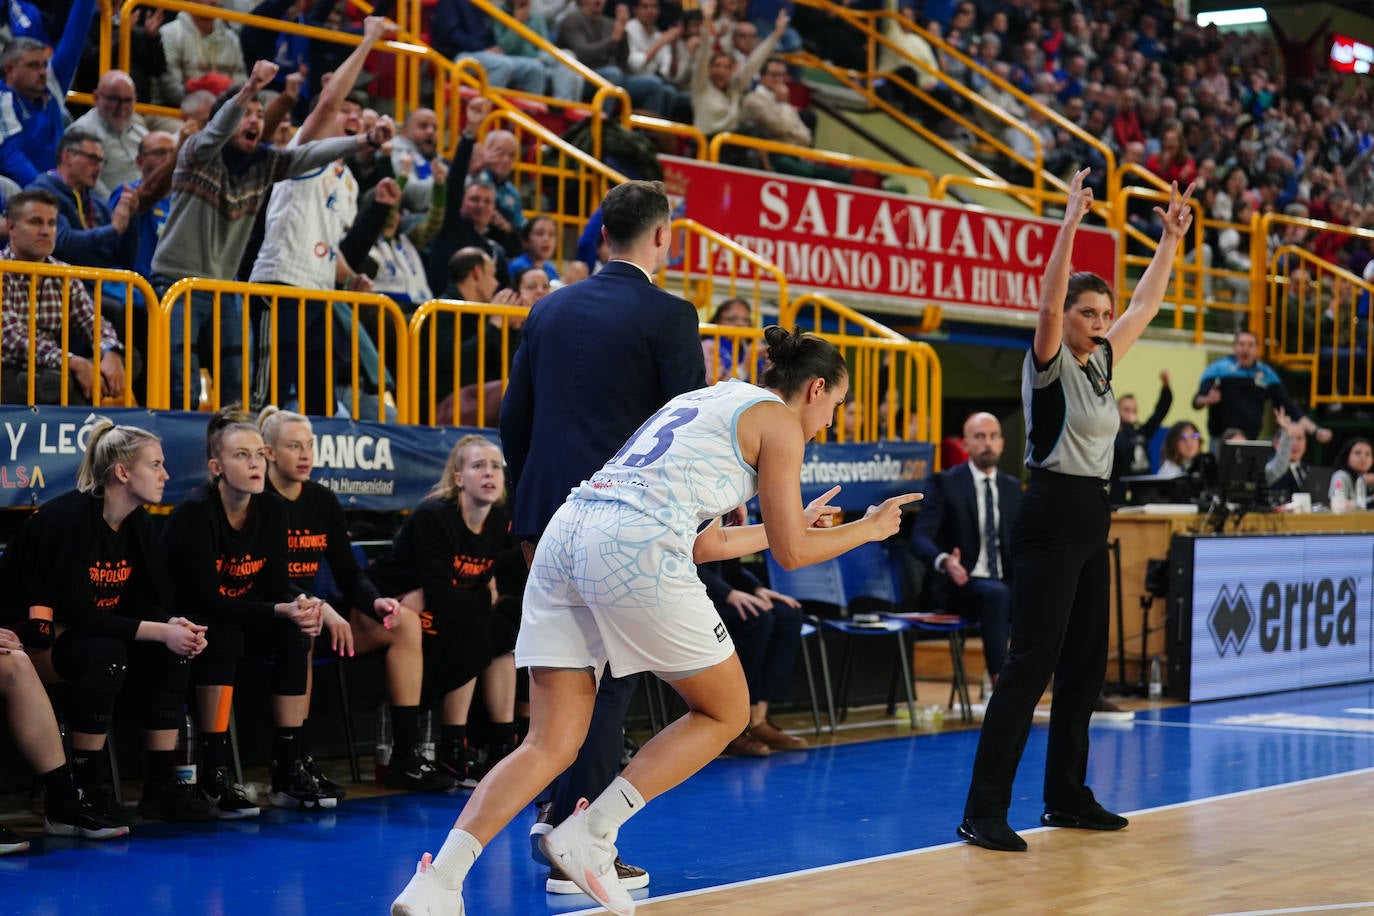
(1059, 629)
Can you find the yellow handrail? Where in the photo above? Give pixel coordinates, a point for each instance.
(857, 84)
(714, 246)
(897, 382)
(1054, 117)
(842, 160)
(498, 14)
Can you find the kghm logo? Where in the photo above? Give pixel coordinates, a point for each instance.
(1291, 615)
(1231, 620)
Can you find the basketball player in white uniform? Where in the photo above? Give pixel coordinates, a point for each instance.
(614, 580)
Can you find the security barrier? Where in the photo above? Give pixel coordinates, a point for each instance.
(473, 390)
(101, 294)
(1320, 322)
(317, 317)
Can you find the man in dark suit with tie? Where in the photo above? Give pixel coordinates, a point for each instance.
(963, 532)
(597, 358)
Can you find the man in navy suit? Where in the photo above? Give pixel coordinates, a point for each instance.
(597, 358)
(963, 532)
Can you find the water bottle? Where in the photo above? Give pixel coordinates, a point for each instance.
(185, 770)
(427, 750)
(1156, 678)
(381, 758)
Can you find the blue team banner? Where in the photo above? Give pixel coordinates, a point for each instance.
(384, 467)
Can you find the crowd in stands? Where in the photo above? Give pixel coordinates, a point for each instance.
(274, 175)
(1250, 117)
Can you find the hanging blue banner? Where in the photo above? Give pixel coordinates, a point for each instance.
(867, 472)
(383, 467)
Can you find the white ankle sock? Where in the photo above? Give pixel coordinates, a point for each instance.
(613, 808)
(459, 851)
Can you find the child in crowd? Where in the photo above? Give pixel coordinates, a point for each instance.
(540, 236)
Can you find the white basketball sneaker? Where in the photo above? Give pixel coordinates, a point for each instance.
(588, 860)
(426, 896)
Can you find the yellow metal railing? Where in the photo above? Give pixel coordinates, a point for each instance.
(840, 160)
(405, 49)
(387, 330)
(100, 279)
(897, 383)
(474, 389)
(703, 261)
(1319, 321)
(1055, 119)
(604, 93)
(571, 182)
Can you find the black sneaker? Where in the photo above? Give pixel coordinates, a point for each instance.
(80, 819)
(293, 787)
(465, 766)
(102, 800)
(173, 800)
(328, 787)
(414, 773)
(227, 799)
(11, 842)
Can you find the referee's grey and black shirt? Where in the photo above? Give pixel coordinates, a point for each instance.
(1071, 416)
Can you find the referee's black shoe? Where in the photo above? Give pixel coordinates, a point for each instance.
(991, 833)
(1094, 817)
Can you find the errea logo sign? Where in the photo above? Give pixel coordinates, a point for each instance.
(1231, 620)
(1290, 616)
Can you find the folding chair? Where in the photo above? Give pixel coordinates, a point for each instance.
(952, 627)
(821, 586)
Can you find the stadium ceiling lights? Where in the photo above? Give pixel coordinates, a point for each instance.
(1249, 16)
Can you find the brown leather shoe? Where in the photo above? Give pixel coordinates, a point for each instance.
(776, 739)
(632, 878)
(747, 745)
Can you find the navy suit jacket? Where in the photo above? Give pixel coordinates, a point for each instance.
(597, 358)
(949, 518)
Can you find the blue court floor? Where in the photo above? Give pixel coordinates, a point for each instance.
(736, 820)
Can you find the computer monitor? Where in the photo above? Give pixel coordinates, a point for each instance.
(1145, 489)
(1241, 473)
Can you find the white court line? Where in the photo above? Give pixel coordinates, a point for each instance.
(821, 869)
(1366, 904)
(1360, 711)
(1256, 729)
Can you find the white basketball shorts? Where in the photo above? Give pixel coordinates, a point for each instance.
(609, 583)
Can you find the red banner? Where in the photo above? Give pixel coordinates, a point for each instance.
(839, 239)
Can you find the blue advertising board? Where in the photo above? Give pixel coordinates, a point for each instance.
(1264, 613)
(370, 466)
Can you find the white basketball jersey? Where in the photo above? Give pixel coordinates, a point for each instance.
(683, 466)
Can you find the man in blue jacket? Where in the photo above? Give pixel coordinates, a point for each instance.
(596, 359)
(90, 232)
(31, 113)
